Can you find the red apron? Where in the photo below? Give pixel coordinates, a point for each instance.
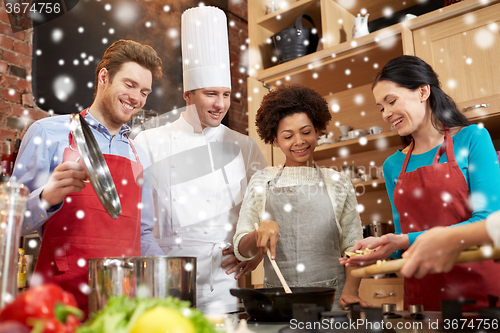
(436, 195)
(82, 229)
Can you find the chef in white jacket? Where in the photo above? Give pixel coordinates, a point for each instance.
(200, 168)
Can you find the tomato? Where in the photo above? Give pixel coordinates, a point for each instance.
(163, 320)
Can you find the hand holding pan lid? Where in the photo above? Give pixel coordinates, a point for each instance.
(95, 165)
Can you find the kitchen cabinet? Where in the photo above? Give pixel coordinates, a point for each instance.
(460, 41)
(464, 50)
(380, 291)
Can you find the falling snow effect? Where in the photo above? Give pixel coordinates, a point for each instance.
(81, 262)
(63, 87)
(287, 208)
(57, 35)
(84, 288)
(446, 197)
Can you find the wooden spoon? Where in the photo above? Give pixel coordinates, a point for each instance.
(276, 268)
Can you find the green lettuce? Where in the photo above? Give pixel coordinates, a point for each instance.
(120, 314)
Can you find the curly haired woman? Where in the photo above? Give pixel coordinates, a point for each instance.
(307, 214)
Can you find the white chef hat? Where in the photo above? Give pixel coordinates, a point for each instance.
(205, 48)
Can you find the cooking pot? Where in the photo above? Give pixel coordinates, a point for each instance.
(273, 304)
(156, 277)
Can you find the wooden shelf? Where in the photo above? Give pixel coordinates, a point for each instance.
(354, 146)
(369, 185)
(363, 57)
(376, 7)
(282, 18)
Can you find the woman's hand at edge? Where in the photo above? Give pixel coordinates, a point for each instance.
(384, 246)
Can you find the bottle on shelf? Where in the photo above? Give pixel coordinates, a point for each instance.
(21, 271)
(7, 160)
(16, 151)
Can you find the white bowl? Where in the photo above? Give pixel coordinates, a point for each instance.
(326, 141)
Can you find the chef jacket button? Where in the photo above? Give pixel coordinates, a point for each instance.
(174, 199)
(176, 232)
(205, 232)
(172, 166)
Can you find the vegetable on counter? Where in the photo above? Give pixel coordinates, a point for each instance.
(11, 326)
(47, 308)
(136, 315)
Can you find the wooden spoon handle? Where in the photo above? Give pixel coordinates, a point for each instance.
(276, 268)
(393, 266)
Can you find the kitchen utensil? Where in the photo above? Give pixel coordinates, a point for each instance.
(376, 130)
(366, 177)
(276, 268)
(360, 26)
(13, 199)
(297, 41)
(393, 266)
(273, 304)
(354, 134)
(326, 141)
(95, 165)
(157, 277)
(361, 132)
(344, 130)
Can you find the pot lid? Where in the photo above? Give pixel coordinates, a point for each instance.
(95, 165)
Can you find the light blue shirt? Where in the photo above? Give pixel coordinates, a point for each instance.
(476, 158)
(42, 151)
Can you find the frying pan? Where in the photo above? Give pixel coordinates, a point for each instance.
(274, 304)
(95, 165)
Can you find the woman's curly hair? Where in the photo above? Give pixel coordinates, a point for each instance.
(285, 101)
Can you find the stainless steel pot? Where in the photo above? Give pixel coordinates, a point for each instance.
(157, 277)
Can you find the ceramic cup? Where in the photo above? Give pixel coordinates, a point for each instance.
(366, 177)
(352, 134)
(361, 132)
(345, 129)
(376, 130)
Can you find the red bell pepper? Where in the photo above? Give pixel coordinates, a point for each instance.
(47, 308)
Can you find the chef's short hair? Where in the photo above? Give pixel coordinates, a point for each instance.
(123, 51)
(288, 100)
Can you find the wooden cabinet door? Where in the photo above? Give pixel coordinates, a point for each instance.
(380, 291)
(465, 52)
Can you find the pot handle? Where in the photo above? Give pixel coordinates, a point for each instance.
(252, 294)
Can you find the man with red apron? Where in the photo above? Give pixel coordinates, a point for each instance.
(430, 209)
(67, 213)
